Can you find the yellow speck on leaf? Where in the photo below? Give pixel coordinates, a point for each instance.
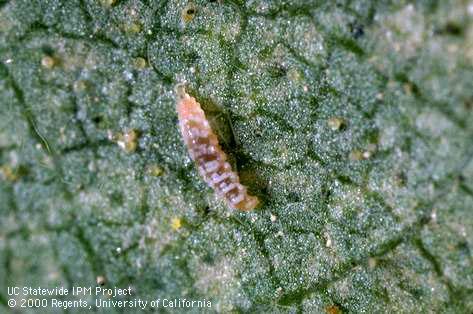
(155, 170)
(8, 173)
(108, 3)
(356, 155)
(333, 309)
(176, 223)
(139, 63)
(133, 28)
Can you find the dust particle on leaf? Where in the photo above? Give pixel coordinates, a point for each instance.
(79, 86)
(370, 150)
(408, 88)
(356, 155)
(48, 62)
(128, 141)
(336, 123)
(101, 280)
(372, 262)
(328, 241)
(188, 13)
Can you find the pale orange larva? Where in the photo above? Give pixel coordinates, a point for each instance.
(205, 150)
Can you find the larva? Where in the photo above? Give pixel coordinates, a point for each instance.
(205, 150)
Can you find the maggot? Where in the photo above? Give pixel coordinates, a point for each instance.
(204, 149)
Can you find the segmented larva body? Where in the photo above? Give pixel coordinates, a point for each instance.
(205, 150)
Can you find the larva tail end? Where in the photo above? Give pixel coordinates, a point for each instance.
(250, 203)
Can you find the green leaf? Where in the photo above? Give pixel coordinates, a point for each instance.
(352, 121)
